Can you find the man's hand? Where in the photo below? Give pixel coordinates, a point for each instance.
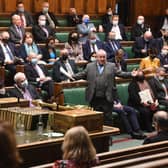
(134, 73)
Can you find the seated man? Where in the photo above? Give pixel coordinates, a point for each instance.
(91, 46)
(26, 18)
(64, 68)
(38, 74)
(119, 61)
(142, 44)
(139, 28)
(22, 89)
(41, 31)
(51, 19)
(160, 121)
(116, 27)
(16, 30)
(85, 28)
(129, 118)
(159, 86)
(112, 46)
(149, 64)
(163, 56)
(73, 18)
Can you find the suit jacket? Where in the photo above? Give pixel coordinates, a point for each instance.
(23, 54)
(161, 136)
(140, 44)
(32, 74)
(57, 75)
(53, 17)
(71, 19)
(46, 54)
(122, 30)
(39, 34)
(163, 59)
(106, 21)
(157, 88)
(28, 17)
(12, 48)
(84, 31)
(16, 92)
(138, 31)
(90, 74)
(87, 49)
(14, 35)
(110, 51)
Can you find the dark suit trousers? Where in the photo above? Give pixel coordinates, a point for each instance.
(129, 118)
(101, 104)
(49, 88)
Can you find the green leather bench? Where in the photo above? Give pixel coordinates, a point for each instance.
(128, 49)
(62, 36)
(5, 22)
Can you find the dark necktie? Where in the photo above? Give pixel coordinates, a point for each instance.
(9, 52)
(94, 48)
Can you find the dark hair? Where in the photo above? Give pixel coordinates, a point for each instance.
(27, 34)
(9, 155)
(152, 51)
(19, 2)
(70, 38)
(49, 39)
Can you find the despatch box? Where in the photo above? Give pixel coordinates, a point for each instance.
(91, 120)
(28, 116)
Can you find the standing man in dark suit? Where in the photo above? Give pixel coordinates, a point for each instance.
(41, 31)
(22, 89)
(116, 27)
(16, 30)
(51, 19)
(142, 44)
(159, 86)
(73, 18)
(100, 75)
(112, 46)
(91, 46)
(139, 28)
(26, 18)
(160, 121)
(38, 74)
(64, 68)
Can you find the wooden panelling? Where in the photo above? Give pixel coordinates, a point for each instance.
(10, 6)
(103, 5)
(79, 5)
(91, 6)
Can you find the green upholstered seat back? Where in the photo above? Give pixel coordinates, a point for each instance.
(129, 51)
(122, 90)
(130, 67)
(74, 96)
(62, 36)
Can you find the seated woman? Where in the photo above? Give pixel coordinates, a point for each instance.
(74, 47)
(49, 51)
(78, 150)
(28, 46)
(9, 155)
(146, 104)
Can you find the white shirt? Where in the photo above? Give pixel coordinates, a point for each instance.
(116, 29)
(39, 71)
(91, 47)
(165, 24)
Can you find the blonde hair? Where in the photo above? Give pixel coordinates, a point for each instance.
(78, 146)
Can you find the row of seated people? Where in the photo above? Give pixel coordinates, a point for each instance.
(71, 156)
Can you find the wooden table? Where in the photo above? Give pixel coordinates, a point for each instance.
(37, 150)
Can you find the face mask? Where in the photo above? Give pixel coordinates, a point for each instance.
(152, 56)
(115, 22)
(166, 38)
(93, 41)
(140, 78)
(21, 10)
(5, 40)
(45, 10)
(64, 57)
(111, 38)
(34, 61)
(140, 22)
(52, 46)
(109, 13)
(2, 91)
(42, 22)
(24, 84)
(75, 39)
(86, 20)
(164, 52)
(93, 59)
(161, 77)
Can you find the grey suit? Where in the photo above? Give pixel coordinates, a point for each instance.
(84, 30)
(100, 89)
(15, 37)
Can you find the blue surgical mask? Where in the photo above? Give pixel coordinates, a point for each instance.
(34, 61)
(86, 20)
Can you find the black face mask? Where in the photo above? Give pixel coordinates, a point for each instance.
(152, 56)
(5, 40)
(140, 78)
(75, 39)
(166, 38)
(64, 57)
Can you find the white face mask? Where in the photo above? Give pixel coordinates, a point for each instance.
(161, 77)
(115, 22)
(139, 21)
(164, 52)
(42, 22)
(93, 59)
(93, 41)
(109, 13)
(2, 91)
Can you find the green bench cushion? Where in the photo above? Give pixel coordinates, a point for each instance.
(62, 36)
(62, 22)
(129, 51)
(101, 36)
(96, 22)
(131, 67)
